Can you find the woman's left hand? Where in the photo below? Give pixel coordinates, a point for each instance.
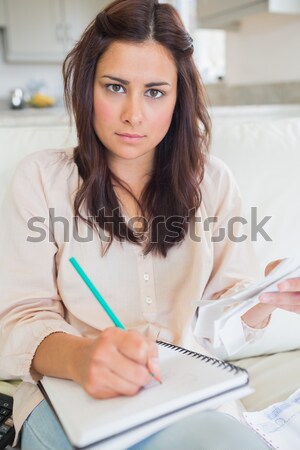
(287, 298)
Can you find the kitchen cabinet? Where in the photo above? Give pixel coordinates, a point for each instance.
(2, 17)
(34, 30)
(223, 14)
(44, 30)
(208, 8)
(78, 14)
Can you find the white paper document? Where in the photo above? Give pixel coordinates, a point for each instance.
(278, 424)
(288, 268)
(226, 309)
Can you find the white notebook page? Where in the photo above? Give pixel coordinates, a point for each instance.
(186, 381)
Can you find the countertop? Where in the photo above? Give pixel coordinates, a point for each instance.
(54, 116)
(58, 116)
(260, 112)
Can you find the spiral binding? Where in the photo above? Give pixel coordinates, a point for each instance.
(215, 362)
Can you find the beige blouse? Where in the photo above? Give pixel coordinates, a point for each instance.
(41, 293)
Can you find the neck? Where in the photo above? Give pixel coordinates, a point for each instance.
(135, 173)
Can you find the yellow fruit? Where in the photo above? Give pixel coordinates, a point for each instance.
(41, 100)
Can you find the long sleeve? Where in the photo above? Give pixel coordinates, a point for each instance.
(234, 267)
(30, 304)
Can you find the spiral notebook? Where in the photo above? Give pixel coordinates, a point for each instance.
(190, 382)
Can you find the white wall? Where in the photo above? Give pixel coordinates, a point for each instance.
(266, 49)
(14, 75)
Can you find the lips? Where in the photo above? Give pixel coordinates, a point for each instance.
(130, 136)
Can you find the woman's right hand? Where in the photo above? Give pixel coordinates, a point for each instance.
(116, 363)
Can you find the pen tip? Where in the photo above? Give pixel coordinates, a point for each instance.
(156, 378)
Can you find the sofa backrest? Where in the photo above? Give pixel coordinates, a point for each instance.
(264, 156)
(17, 142)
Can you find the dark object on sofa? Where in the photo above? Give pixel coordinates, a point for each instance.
(7, 431)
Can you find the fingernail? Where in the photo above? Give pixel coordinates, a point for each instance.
(154, 368)
(265, 298)
(284, 286)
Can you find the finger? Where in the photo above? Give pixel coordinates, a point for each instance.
(272, 266)
(145, 348)
(135, 346)
(131, 343)
(131, 371)
(291, 308)
(153, 361)
(281, 299)
(290, 284)
(152, 349)
(111, 385)
(122, 366)
(142, 350)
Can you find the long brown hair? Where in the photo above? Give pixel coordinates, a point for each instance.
(173, 190)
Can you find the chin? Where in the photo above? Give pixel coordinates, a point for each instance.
(129, 154)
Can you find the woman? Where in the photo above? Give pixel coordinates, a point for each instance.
(140, 185)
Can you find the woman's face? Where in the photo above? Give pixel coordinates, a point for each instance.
(135, 93)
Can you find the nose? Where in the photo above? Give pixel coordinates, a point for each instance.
(132, 111)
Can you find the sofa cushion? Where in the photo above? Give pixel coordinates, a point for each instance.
(9, 387)
(274, 378)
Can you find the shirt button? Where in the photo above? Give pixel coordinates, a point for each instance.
(149, 300)
(146, 276)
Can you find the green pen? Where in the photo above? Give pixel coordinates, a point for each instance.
(96, 293)
(100, 299)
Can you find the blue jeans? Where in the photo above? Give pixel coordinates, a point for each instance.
(207, 430)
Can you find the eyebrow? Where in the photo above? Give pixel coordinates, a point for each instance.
(149, 85)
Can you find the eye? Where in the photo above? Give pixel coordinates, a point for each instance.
(115, 88)
(154, 93)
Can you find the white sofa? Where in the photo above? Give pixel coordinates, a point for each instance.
(262, 147)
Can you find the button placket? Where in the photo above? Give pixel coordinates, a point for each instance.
(146, 276)
(147, 288)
